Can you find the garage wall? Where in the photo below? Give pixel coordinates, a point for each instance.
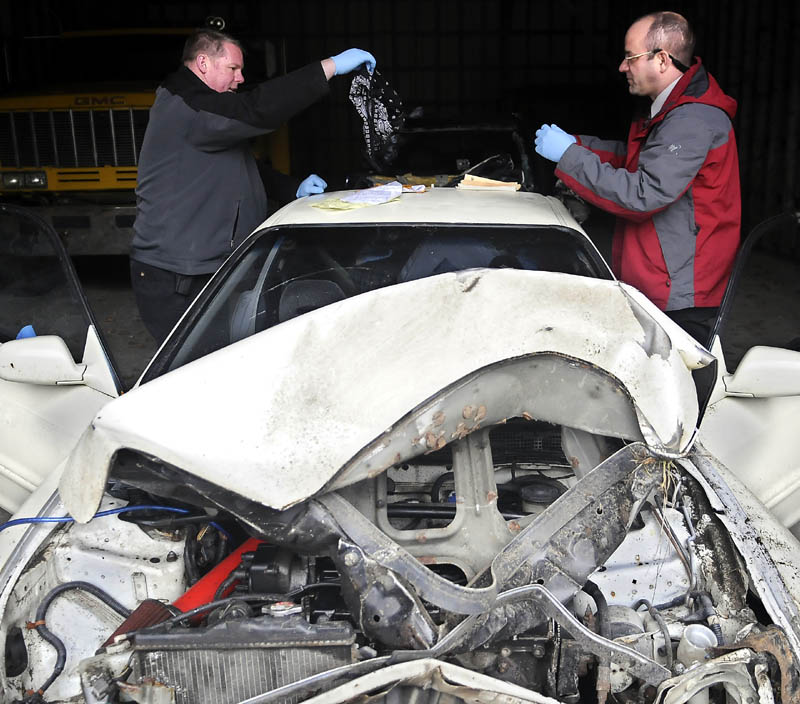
(556, 62)
(549, 60)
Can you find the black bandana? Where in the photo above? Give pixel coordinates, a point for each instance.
(382, 112)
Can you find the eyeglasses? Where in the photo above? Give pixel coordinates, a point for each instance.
(683, 68)
(631, 59)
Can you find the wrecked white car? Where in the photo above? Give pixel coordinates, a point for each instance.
(424, 451)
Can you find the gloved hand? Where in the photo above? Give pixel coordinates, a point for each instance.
(26, 331)
(310, 185)
(552, 142)
(351, 59)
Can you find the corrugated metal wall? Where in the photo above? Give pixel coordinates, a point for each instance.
(553, 60)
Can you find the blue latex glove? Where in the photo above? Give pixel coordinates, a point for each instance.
(26, 331)
(351, 59)
(310, 185)
(552, 142)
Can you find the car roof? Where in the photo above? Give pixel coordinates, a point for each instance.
(435, 205)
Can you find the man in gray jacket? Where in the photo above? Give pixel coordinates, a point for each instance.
(199, 191)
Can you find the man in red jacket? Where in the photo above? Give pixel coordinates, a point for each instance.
(674, 186)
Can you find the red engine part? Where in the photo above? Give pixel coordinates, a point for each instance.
(202, 592)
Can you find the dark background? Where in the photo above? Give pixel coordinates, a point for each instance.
(463, 60)
(460, 60)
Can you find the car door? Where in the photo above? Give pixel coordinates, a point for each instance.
(55, 371)
(752, 420)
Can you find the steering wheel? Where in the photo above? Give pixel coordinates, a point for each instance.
(339, 273)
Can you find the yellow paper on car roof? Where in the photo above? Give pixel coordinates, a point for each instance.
(478, 183)
(376, 195)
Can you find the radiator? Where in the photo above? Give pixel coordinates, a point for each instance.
(239, 659)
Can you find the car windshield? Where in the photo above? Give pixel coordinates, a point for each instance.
(289, 271)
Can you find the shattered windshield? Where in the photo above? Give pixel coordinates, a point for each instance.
(290, 271)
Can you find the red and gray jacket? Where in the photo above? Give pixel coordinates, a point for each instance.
(675, 191)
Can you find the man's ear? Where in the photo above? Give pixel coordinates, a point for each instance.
(201, 62)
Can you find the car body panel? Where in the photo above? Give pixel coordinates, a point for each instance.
(750, 437)
(42, 418)
(765, 372)
(54, 415)
(306, 378)
(752, 417)
(334, 437)
(437, 205)
(769, 549)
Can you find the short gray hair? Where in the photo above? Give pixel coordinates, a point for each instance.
(671, 32)
(206, 41)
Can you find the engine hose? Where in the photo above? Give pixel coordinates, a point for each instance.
(190, 555)
(704, 614)
(662, 624)
(602, 606)
(603, 663)
(709, 612)
(171, 522)
(437, 486)
(222, 548)
(54, 640)
(228, 582)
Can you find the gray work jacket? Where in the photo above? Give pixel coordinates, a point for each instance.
(199, 192)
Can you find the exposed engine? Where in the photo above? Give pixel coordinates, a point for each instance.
(567, 564)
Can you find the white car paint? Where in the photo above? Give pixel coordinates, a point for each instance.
(751, 426)
(304, 397)
(436, 205)
(292, 407)
(750, 423)
(41, 422)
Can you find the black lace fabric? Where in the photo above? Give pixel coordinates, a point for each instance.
(381, 111)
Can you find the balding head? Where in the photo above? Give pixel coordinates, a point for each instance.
(658, 48)
(671, 32)
(206, 41)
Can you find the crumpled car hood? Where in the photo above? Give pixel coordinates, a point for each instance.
(278, 416)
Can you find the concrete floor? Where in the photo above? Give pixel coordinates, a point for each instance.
(766, 307)
(106, 282)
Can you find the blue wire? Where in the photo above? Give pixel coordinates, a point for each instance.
(109, 512)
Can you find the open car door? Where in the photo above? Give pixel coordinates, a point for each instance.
(753, 415)
(55, 371)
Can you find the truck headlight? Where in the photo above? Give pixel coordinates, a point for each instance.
(12, 180)
(24, 179)
(35, 179)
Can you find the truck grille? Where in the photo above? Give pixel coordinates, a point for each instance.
(71, 138)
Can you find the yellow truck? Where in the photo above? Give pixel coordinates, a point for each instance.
(73, 157)
(70, 150)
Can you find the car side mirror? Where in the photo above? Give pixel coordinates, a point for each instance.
(39, 360)
(765, 372)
